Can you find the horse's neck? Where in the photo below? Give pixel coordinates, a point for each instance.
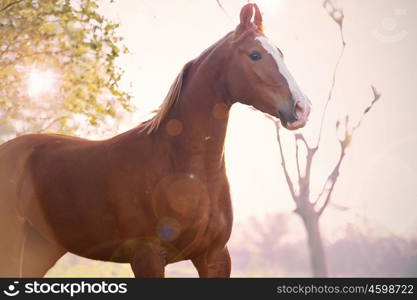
(203, 116)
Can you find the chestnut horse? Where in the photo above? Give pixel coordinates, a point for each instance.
(156, 194)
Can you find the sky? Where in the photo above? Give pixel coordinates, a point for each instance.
(379, 175)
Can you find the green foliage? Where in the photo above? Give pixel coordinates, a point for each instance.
(74, 42)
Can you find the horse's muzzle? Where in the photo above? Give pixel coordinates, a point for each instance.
(301, 113)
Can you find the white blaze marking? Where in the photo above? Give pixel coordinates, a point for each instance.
(296, 93)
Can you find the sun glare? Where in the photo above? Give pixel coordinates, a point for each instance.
(41, 82)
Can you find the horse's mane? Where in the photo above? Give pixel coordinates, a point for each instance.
(174, 92)
(170, 100)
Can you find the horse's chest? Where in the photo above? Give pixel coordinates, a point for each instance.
(191, 214)
(211, 228)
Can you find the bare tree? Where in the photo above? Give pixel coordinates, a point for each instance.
(309, 209)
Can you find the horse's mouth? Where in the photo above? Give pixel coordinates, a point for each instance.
(299, 117)
(295, 125)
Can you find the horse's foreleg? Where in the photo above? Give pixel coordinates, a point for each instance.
(149, 260)
(214, 263)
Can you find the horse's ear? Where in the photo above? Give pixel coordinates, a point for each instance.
(258, 17)
(246, 15)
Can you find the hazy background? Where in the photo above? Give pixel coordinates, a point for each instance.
(378, 178)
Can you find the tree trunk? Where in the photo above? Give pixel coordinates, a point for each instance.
(317, 257)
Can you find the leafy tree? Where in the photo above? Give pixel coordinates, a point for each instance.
(70, 42)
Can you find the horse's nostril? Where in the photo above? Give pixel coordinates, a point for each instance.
(299, 110)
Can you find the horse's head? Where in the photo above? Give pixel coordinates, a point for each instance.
(257, 76)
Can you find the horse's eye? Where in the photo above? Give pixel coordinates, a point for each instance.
(255, 55)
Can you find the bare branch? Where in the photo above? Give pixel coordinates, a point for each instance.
(9, 5)
(224, 10)
(297, 158)
(52, 123)
(331, 181)
(344, 144)
(5, 50)
(330, 95)
(377, 96)
(13, 40)
(220, 4)
(337, 15)
(283, 163)
(304, 181)
(309, 161)
(299, 136)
